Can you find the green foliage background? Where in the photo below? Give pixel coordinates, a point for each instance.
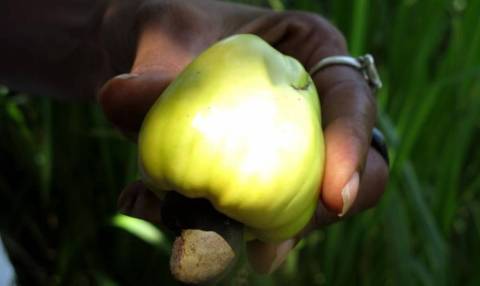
(63, 166)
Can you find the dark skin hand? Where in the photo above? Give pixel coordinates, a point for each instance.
(149, 42)
(177, 31)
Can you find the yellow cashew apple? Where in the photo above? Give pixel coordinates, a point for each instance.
(241, 127)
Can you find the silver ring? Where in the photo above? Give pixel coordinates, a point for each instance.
(365, 64)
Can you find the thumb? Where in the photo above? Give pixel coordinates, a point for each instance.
(126, 99)
(159, 58)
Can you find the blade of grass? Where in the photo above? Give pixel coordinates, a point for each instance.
(436, 247)
(468, 95)
(44, 155)
(106, 153)
(398, 240)
(359, 27)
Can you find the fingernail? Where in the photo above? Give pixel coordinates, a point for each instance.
(126, 75)
(282, 253)
(349, 193)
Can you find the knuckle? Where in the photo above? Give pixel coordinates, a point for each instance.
(318, 27)
(319, 37)
(358, 87)
(174, 15)
(152, 11)
(187, 23)
(367, 101)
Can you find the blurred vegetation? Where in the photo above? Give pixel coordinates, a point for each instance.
(63, 166)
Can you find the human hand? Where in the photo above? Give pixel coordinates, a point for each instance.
(167, 35)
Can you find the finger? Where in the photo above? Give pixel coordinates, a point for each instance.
(163, 50)
(373, 183)
(267, 257)
(349, 114)
(171, 35)
(372, 186)
(137, 201)
(348, 108)
(126, 99)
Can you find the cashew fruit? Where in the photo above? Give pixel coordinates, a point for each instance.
(241, 127)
